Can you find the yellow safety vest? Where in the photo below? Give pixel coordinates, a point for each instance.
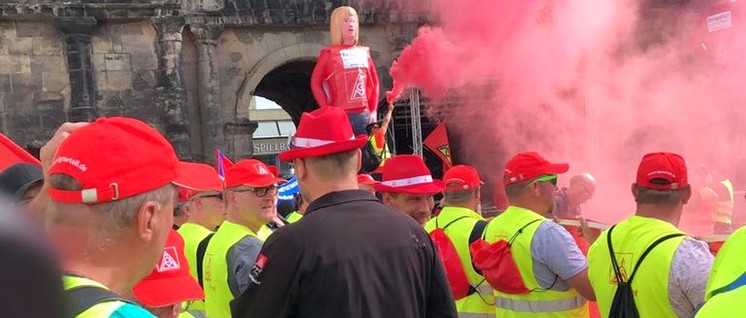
(294, 217)
(104, 309)
(724, 211)
(264, 232)
(650, 286)
(480, 304)
(540, 303)
(378, 143)
(217, 293)
(193, 234)
(724, 298)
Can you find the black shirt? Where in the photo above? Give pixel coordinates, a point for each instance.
(349, 256)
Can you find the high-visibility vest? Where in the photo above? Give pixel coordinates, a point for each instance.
(217, 293)
(378, 143)
(724, 211)
(294, 217)
(103, 309)
(264, 232)
(193, 234)
(650, 286)
(481, 303)
(539, 303)
(726, 287)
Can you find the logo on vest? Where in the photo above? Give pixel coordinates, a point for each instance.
(169, 261)
(256, 270)
(358, 91)
(623, 259)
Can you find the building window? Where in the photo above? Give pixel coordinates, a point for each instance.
(266, 129)
(287, 128)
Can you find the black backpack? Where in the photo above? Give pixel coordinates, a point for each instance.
(623, 304)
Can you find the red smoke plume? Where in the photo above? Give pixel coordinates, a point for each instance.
(594, 83)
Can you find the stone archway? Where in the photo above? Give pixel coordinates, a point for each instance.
(284, 77)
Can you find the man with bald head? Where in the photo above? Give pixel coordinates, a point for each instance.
(567, 201)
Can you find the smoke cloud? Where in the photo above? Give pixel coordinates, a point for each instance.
(593, 83)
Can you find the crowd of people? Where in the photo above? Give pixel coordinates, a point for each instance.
(122, 228)
(355, 247)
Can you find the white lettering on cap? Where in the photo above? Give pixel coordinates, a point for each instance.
(74, 162)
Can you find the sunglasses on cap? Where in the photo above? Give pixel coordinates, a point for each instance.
(547, 178)
(259, 192)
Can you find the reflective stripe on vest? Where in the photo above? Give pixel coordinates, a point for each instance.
(485, 288)
(475, 315)
(539, 305)
(630, 239)
(477, 303)
(217, 293)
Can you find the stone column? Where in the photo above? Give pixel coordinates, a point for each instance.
(170, 97)
(77, 34)
(239, 139)
(208, 86)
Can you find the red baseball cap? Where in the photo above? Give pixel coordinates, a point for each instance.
(529, 165)
(170, 282)
(198, 177)
(408, 174)
(366, 179)
(250, 172)
(461, 177)
(662, 171)
(112, 159)
(322, 132)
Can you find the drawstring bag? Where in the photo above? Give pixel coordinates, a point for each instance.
(623, 304)
(497, 265)
(454, 270)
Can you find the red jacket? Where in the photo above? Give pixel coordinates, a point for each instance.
(345, 77)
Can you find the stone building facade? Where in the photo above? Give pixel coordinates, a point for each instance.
(188, 67)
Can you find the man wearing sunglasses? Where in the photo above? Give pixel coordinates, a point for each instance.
(553, 270)
(250, 198)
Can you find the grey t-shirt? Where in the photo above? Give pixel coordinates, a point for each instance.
(240, 259)
(687, 279)
(555, 255)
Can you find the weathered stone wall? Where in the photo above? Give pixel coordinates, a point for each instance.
(34, 83)
(188, 67)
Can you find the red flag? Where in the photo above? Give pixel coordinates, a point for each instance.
(437, 142)
(10, 154)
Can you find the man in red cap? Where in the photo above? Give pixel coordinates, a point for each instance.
(670, 281)
(170, 283)
(408, 187)
(350, 256)
(552, 268)
(366, 183)
(250, 196)
(111, 208)
(204, 211)
(462, 224)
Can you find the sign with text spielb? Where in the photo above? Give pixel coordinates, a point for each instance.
(270, 146)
